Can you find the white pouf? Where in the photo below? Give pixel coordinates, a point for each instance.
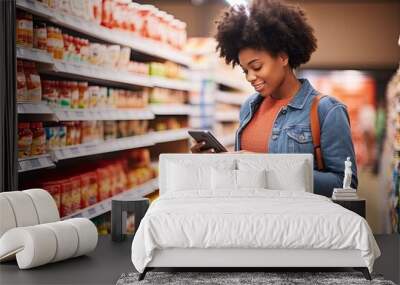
(33, 246)
(23, 208)
(7, 218)
(45, 205)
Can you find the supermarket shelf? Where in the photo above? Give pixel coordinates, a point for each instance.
(97, 73)
(35, 162)
(34, 54)
(231, 98)
(227, 140)
(171, 109)
(227, 116)
(34, 108)
(102, 147)
(118, 144)
(100, 74)
(170, 135)
(174, 84)
(102, 114)
(105, 205)
(91, 29)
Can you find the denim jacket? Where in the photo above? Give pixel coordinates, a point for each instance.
(291, 133)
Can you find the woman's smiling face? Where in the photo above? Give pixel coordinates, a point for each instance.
(264, 71)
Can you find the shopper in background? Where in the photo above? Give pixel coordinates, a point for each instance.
(269, 40)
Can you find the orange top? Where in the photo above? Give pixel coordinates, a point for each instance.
(255, 136)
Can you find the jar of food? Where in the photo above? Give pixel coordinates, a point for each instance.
(24, 29)
(64, 96)
(33, 84)
(61, 135)
(107, 14)
(40, 36)
(24, 140)
(74, 94)
(51, 41)
(54, 96)
(78, 128)
(144, 12)
(83, 95)
(70, 135)
(38, 138)
(22, 92)
(122, 128)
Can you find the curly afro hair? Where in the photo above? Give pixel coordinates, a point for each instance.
(269, 25)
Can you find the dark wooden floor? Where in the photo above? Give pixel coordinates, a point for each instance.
(110, 260)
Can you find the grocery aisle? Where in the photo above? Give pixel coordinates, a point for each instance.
(100, 85)
(108, 86)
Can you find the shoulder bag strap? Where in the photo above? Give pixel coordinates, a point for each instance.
(316, 131)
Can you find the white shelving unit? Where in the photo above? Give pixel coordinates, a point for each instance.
(35, 162)
(34, 108)
(118, 144)
(174, 84)
(33, 54)
(105, 205)
(96, 73)
(92, 29)
(99, 73)
(102, 147)
(170, 135)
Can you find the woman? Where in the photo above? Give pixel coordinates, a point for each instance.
(269, 40)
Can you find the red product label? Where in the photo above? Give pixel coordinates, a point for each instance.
(66, 197)
(55, 191)
(89, 188)
(75, 193)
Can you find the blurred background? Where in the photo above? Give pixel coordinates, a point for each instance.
(105, 86)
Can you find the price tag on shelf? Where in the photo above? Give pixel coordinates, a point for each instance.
(75, 151)
(80, 115)
(91, 148)
(102, 207)
(34, 163)
(92, 211)
(80, 215)
(60, 154)
(103, 115)
(46, 161)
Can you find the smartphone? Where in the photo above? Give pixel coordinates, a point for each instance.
(208, 138)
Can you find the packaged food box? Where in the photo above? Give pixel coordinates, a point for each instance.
(54, 188)
(38, 139)
(25, 137)
(89, 188)
(75, 193)
(104, 183)
(66, 197)
(22, 92)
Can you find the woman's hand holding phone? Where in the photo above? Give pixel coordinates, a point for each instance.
(196, 148)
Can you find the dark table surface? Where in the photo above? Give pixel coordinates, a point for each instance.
(110, 259)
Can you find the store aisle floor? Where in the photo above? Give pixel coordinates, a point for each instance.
(369, 189)
(106, 264)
